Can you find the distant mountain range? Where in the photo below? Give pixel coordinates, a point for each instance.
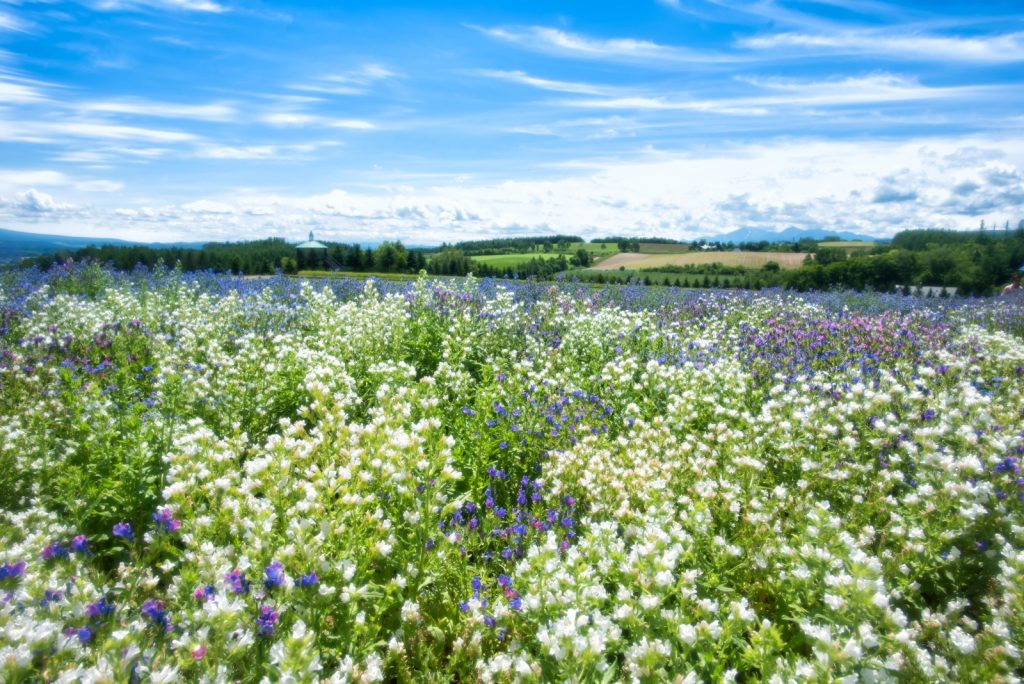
(16, 244)
(787, 235)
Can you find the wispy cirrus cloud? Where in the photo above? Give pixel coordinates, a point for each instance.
(302, 119)
(18, 89)
(787, 93)
(168, 110)
(55, 131)
(251, 152)
(180, 5)
(556, 41)
(9, 22)
(354, 82)
(557, 86)
(25, 180)
(989, 49)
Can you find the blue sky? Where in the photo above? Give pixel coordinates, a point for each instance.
(431, 121)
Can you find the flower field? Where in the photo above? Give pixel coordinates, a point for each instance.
(215, 479)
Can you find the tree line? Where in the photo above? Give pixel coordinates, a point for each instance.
(256, 257)
(976, 263)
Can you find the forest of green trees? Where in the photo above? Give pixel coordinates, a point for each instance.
(974, 262)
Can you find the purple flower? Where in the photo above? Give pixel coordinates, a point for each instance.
(516, 604)
(100, 609)
(236, 580)
(153, 610)
(84, 635)
(205, 593)
(12, 570)
(165, 520)
(124, 531)
(309, 580)
(266, 620)
(80, 544)
(274, 575)
(54, 550)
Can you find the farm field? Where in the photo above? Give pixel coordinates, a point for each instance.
(745, 259)
(513, 260)
(849, 244)
(666, 278)
(208, 478)
(662, 248)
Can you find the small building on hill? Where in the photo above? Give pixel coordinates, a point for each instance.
(311, 254)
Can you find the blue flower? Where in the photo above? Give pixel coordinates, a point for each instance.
(309, 580)
(80, 544)
(274, 575)
(54, 550)
(266, 621)
(154, 611)
(12, 570)
(100, 609)
(165, 520)
(236, 580)
(124, 530)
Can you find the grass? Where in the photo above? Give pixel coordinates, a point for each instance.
(849, 244)
(662, 248)
(513, 260)
(744, 259)
(658, 277)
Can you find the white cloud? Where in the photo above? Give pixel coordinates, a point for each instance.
(872, 187)
(523, 78)
(875, 89)
(276, 152)
(9, 22)
(138, 107)
(17, 90)
(237, 152)
(354, 124)
(355, 82)
(182, 5)
(556, 41)
(303, 119)
(56, 131)
(19, 178)
(289, 119)
(32, 204)
(1004, 48)
(25, 180)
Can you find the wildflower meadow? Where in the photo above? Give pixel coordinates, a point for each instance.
(206, 478)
